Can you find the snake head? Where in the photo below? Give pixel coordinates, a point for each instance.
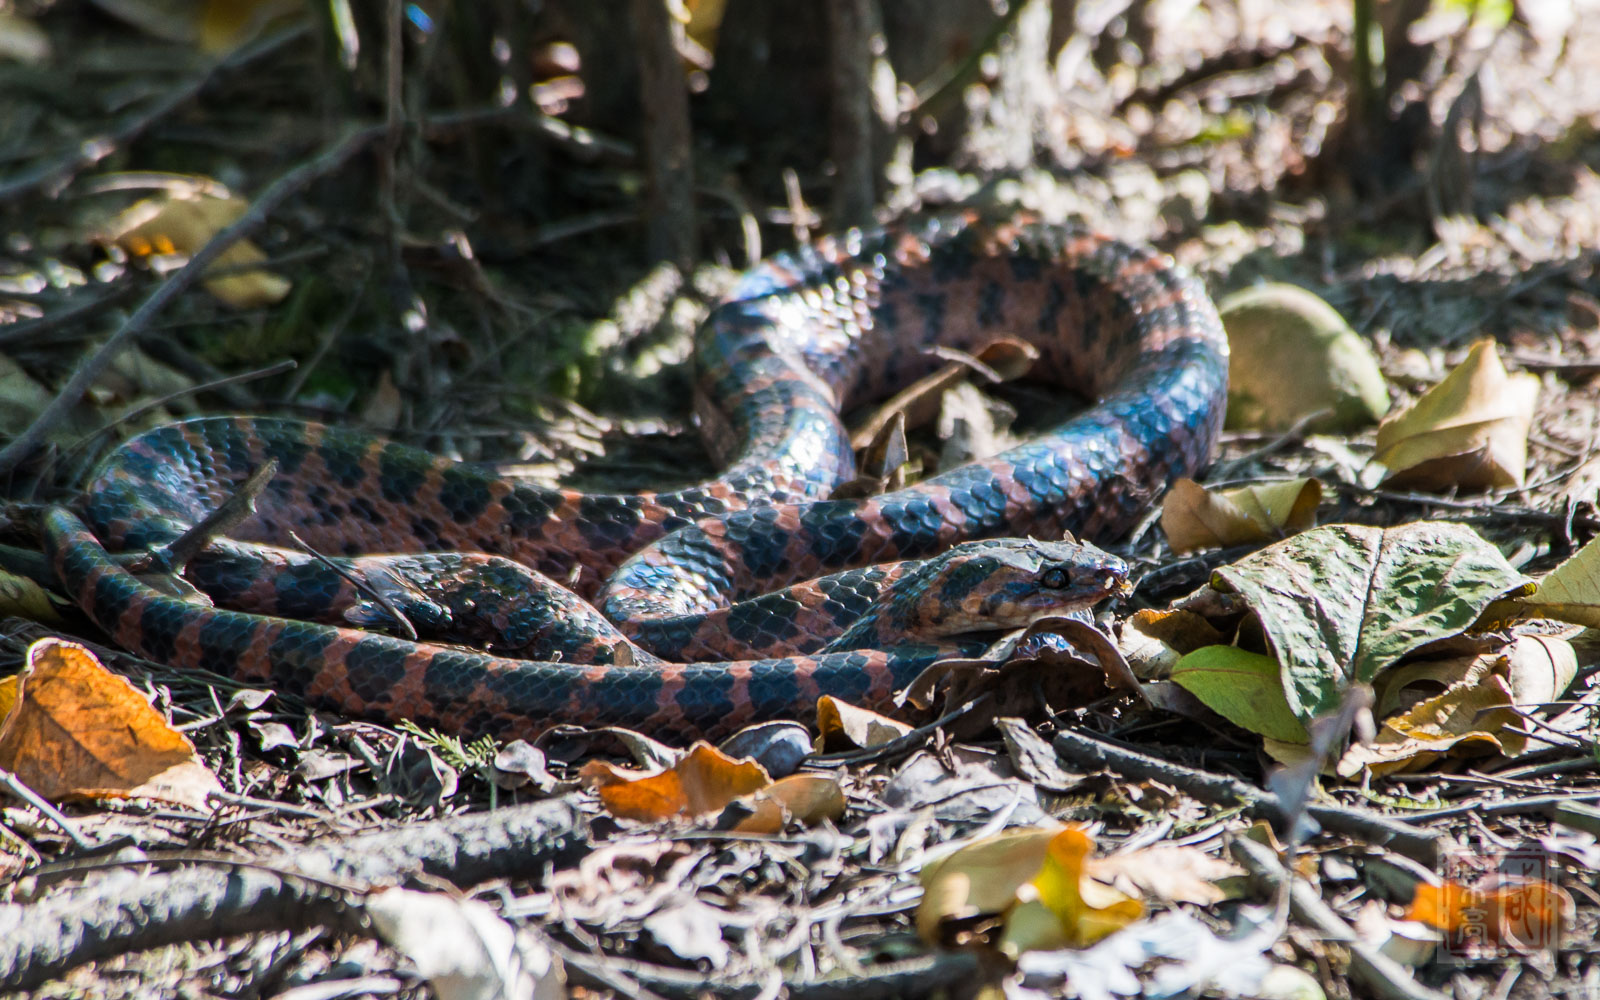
(989, 585)
(1030, 580)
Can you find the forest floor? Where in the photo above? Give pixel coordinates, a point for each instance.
(469, 278)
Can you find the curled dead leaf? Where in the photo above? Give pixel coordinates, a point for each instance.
(1194, 517)
(843, 726)
(1468, 432)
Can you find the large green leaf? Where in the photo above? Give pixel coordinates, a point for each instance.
(1342, 602)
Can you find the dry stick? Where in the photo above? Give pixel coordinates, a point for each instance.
(361, 586)
(850, 123)
(275, 194)
(669, 161)
(209, 899)
(89, 151)
(1382, 976)
(172, 557)
(1367, 827)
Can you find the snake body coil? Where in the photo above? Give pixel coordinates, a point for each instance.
(802, 338)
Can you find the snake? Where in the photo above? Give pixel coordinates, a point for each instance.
(692, 612)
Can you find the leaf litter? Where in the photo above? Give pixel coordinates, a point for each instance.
(692, 872)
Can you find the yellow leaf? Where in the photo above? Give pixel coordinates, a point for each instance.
(1568, 593)
(1470, 431)
(1194, 517)
(23, 598)
(843, 726)
(1292, 355)
(1085, 908)
(704, 780)
(181, 226)
(981, 877)
(227, 24)
(75, 730)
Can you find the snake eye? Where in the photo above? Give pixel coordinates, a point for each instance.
(1055, 578)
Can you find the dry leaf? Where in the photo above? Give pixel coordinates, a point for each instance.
(1470, 718)
(704, 780)
(807, 799)
(1520, 915)
(1002, 359)
(75, 730)
(181, 226)
(464, 949)
(1469, 432)
(843, 726)
(1194, 517)
(980, 877)
(1154, 641)
(21, 597)
(1292, 355)
(1569, 593)
(1052, 893)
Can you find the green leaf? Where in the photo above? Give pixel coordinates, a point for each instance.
(22, 597)
(1243, 687)
(1342, 602)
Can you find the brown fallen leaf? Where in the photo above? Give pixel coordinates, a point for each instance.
(806, 799)
(1468, 432)
(843, 726)
(1194, 517)
(180, 226)
(75, 730)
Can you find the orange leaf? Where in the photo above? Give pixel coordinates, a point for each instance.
(1522, 914)
(703, 780)
(74, 729)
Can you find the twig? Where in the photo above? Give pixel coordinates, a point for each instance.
(214, 897)
(287, 364)
(253, 218)
(26, 331)
(1382, 975)
(870, 755)
(16, 787)
(1369, 828)
(850, 97)
(175, 555)
(409, 629)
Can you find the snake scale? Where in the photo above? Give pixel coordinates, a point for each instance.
(652, 612)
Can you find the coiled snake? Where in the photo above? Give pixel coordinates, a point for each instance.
(801, 339)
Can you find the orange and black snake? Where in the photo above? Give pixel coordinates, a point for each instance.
(650, 609)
